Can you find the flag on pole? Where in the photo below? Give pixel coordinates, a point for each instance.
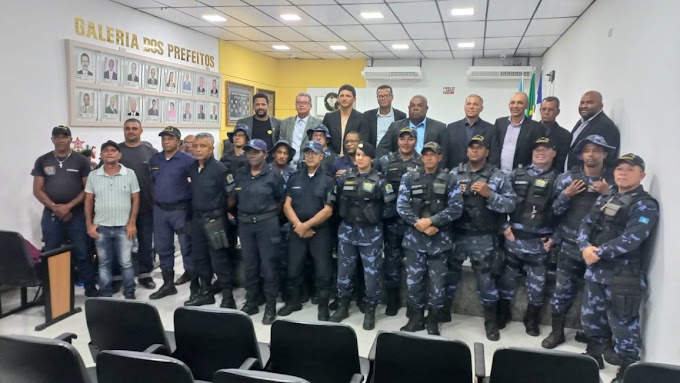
(539, 97)
(521, 83)
(532, 96)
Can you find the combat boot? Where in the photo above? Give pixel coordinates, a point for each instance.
(556, 337)
(415, 321)
(491, 321)
(228, 301)
(168, 287)
(610, 356)
(445, 312)
(251, 307)
(292, 303)
(392, 301)
(621, 372)
(369, 317)
(531, 319)
(184, 278)
(194, 287)
(432, 322)
(269, 311)
(595, 350)
(204, 296)
(342, 312)
(324, 313)
(504, 313)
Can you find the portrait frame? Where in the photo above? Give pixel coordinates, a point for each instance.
(149, 115)
(89, 113)
(91, 71)
(170, 74)
(213, 118)
(239, 101)
(197, 112)
(113, 78)
(271, 95)
(167, 116)
(214, 92)
(128, 106)
(107, 106)
(128, 64)
(197, 85)
(182, 119)
(154, 85)
(183, 89)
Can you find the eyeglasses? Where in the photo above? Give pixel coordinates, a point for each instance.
(384, 96)
(352, 141)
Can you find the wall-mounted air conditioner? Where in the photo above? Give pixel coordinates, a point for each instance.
(499, 72)
(392, 73)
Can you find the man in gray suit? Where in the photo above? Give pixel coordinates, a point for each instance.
(293, 129)
(261, 124)
(427, 129)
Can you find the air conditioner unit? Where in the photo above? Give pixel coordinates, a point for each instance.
(392, 73)
(499, 72)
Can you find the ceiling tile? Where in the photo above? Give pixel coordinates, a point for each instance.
(454, 44)
(139, 3)
(310, 46)
(355, 55)
(389, 43)
(253, 46)
(343, 2)
(561, 8)
(432, 45)
(425, 30)
(330, 56)
(312, 2)
(177, 17)
(330, 14)
(326, 47)
(306, 56)
(409, 54)
(283, 33)
(198, 13)
(356, 9)
(352, 32)
(498, 53)
(506, 28)
(501, 43)
(406, 1)
(368, 46)
(388, 31)
(250, 16)
(276, 12)
(511, 9)
(223, 3)
(251, 33)
(381, 55)
(180, 3)
(538, 41)
(317, 33)
(420, 12)
(549, 26)
(464, 29)
(479, 6)
(267, 2)
(277, 55)
(270, 43)
(477, 53)
(533, 52)
(438, 54)
(219, 33)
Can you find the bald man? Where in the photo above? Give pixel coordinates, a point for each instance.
(515, 136)
(594, 121)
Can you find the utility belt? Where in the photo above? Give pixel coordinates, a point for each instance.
(211, 213)
(525, 235)
(473, 233)
(569, 241)
(255, 218)
(213, 223)
(182, 205)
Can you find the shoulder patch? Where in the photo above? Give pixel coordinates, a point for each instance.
(367, 186)
(644, 220)
(230, 178)
(388, 188)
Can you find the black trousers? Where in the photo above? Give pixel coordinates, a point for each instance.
(260, 249)
(206, 260)
(318, 247)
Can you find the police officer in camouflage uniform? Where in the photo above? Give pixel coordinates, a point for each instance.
(429, 201)
(362, 194)
(611, 239)
(575, 193)
(393, 166)
(487, 193)
(527, 234)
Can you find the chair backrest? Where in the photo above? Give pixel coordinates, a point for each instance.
(116, 324)
(116, 366)
(404, 357)
(320, 352)
(520, 365)
(16, 262)
(233, 375)
(210, 339)
(28, 359)
(644, 372)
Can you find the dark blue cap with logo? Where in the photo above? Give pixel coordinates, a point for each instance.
(314, 146)
(592, 139)
(318, 128)
(256, 144)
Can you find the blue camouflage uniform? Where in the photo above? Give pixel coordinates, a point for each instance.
(531, 224)
(361, 198)
(438, 197)
(619, 224)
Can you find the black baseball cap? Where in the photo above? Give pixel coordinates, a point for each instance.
(632, 159)
(170, 131)
(544, 141)
(109, 143)
(61, 129)
(432, 146)
(480, 140)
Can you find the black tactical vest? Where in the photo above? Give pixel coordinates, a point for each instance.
(581, 203)
(396, 167)
(429, 198)
(361, 200)
(534, 196)
(476, 216)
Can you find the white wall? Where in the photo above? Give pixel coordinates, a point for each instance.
(438, 73)
(34, 68)
(636, 71)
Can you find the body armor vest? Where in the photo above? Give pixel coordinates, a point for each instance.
(429, 198)
(534, 194)
(396, 168)
(476, 216)
(581, 203)
(361, 200)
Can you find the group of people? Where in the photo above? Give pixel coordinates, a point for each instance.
(380, 189)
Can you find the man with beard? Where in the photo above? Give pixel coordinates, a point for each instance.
(261, 125)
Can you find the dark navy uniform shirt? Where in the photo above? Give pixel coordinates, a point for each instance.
(308, 194)
(258, 194)
(170, 177)
(208, 186)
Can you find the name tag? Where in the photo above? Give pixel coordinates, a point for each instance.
(73, 170)
(296, 187)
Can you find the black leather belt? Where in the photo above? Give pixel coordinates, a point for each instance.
(211, 213)
(184, 205)
(255, 218)
(520, 234)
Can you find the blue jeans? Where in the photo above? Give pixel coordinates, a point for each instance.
(57, 232)
(113, 241)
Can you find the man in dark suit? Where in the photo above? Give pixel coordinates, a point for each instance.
(85, 65)
(262, 126)
(132, 76)
(594, 121)
(379, 119)
(345, 119)
(515, 136)
(459, 133)
(111, 74)
(560, 137)
(426, 129)
(153, 111)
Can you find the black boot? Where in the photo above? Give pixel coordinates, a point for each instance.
(269, 311)
(168, 287)
(415, 321)
(194, 287)
(504, 313)
(610, 356)
(186, 277)
(342, 312)
(292, 303)
(445, 312)
(491, 321)
(556, 337)
(324, 314)
(595, 351)
(204, 296)
(621, 372)
(432, 322)
(228, 301)
(531, 319)
(251, 307)
(392, 301)
(147, 283)
(334, 305)
(369, 317)
(215, 287)
(303, 293)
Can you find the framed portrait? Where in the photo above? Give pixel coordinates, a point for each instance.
(200, 84)
(152, 105)
(85, 64)
(170, 80)
(213, 113)
(201, 112)
(170, 110)
(110, 69)
(86, 105)
(152, 74)
(271, 95)
(187, 111)
(133, 106)
(239, 99)
(214, 87)
(187, 82)
(111, 106)
(133, 69)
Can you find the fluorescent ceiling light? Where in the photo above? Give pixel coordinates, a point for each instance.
(372, 15)
(338, 47)
(466, 45)
(214, 18)
(290, 17)
(463, 11)
(399, 46)
(281, 47)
